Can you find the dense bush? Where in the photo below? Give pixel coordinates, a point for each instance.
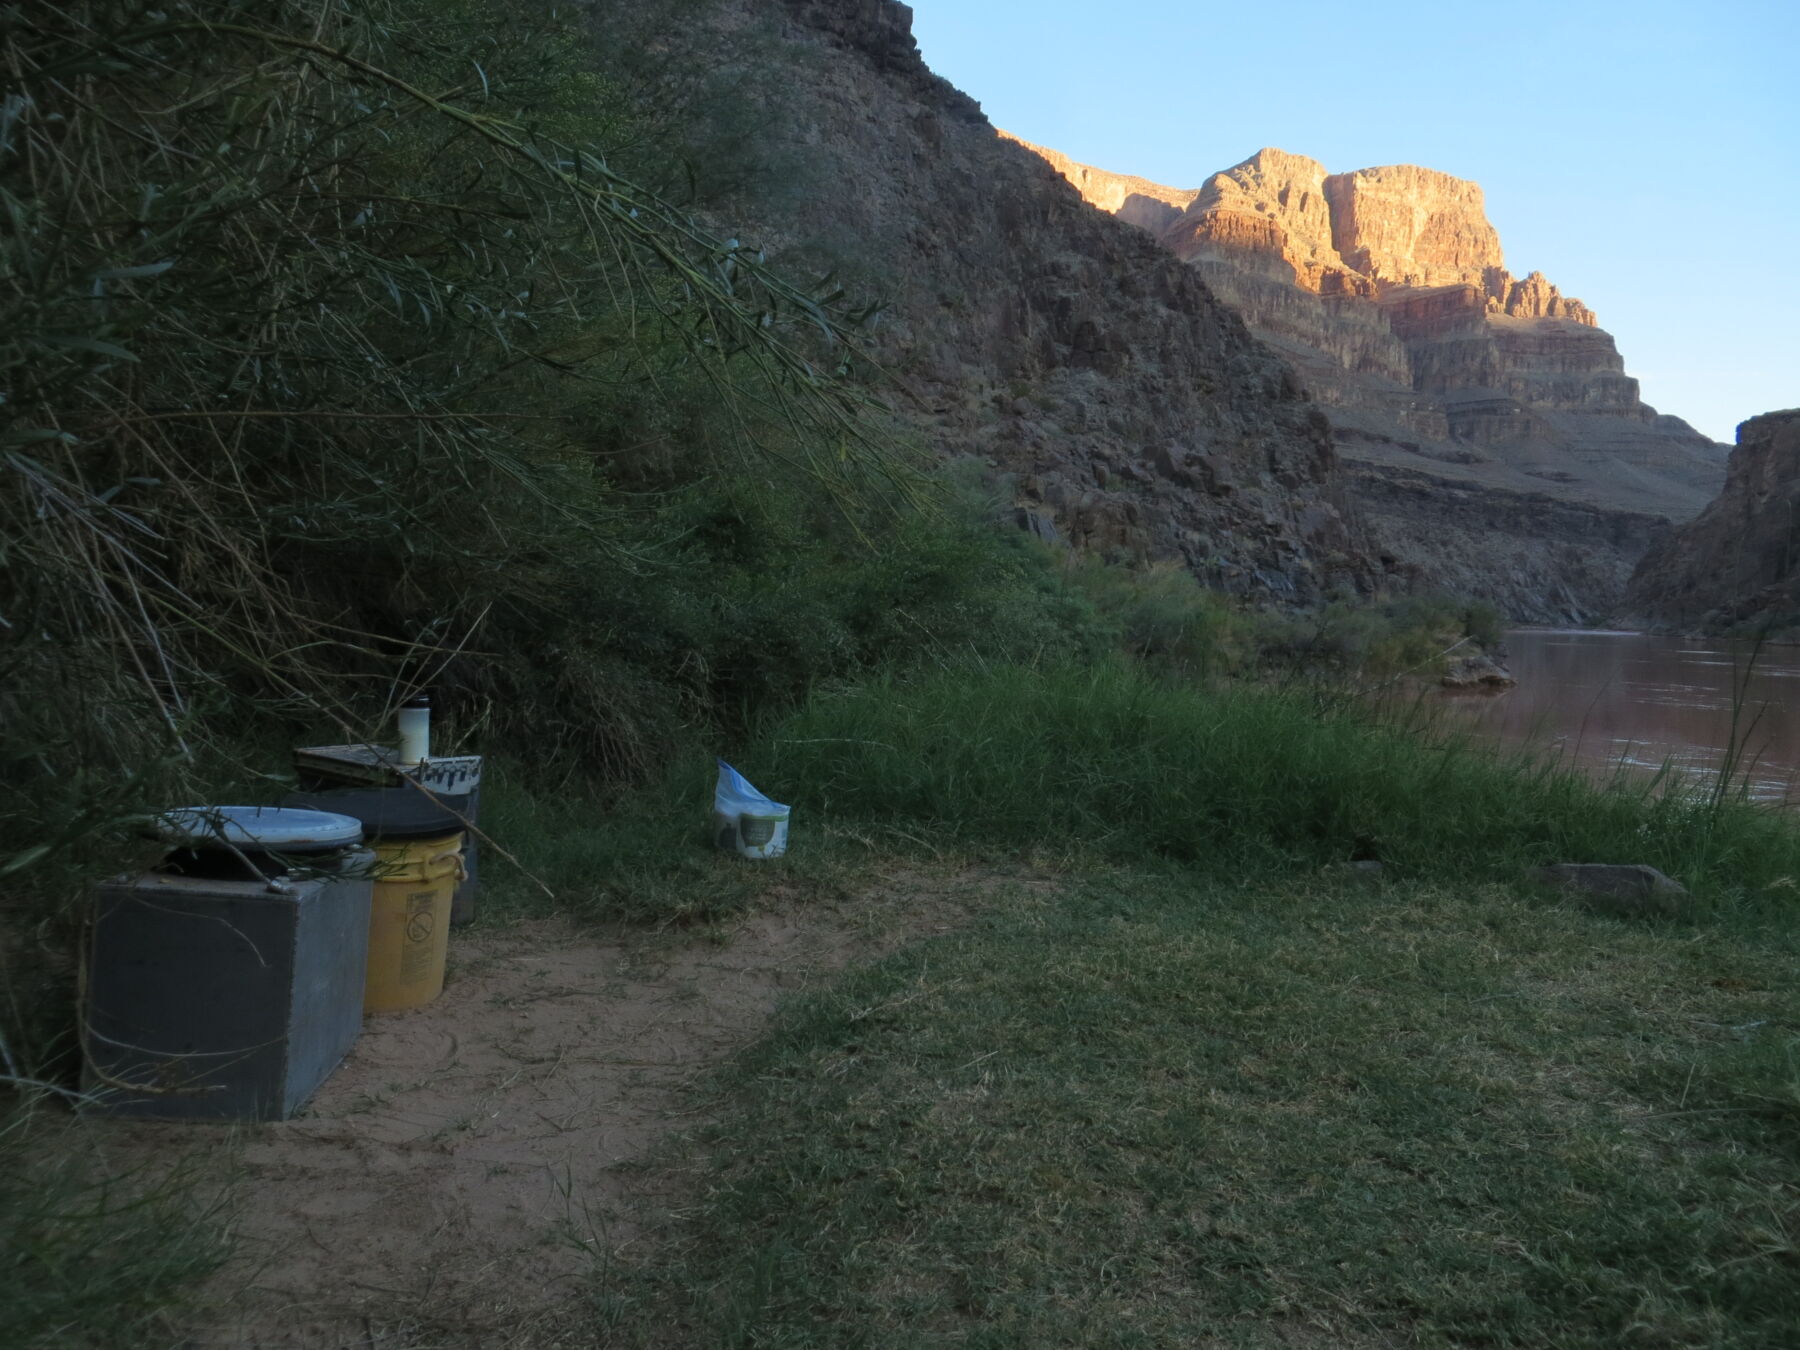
(1406, 635)
(339, 359)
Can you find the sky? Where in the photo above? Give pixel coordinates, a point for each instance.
(1645, 156)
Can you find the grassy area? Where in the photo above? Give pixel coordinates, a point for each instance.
(1201, 1089)
(89, 1258)
(1220, 1094)
(644, 857)
(1157, 1110)
(1113, 761)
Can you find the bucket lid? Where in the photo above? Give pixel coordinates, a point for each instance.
(264, 829)
(386, 813)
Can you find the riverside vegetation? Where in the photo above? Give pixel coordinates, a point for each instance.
(354, 348)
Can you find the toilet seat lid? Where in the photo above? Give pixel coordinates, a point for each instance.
(266, 829)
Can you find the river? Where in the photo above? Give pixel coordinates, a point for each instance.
(1604, 699)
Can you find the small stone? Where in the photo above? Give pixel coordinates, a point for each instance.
(1627, 890)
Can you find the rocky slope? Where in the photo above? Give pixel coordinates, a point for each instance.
(1457, 392)
(1738, 562)
(1136, 413)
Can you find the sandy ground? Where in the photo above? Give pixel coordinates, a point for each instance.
(466, 1175)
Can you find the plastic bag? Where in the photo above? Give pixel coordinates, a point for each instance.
(745, 820)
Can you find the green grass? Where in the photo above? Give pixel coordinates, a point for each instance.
(1158, 1111)
(1219, 1096)
(643, 857)
(92, 1258)
(1203, 1092)
(1112, 761)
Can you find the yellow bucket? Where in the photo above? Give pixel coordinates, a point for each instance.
(409, 923)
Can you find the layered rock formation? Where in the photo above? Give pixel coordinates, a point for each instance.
(1408, 226)
(1738, 562)
(1135, 413)
(1135, 200)
(1527, 554)
(1442, 373)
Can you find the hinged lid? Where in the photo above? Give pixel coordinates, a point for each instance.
(387, 813)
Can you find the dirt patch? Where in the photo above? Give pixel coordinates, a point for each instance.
(465, 1176)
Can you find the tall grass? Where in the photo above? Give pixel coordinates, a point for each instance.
(1115, 761)
(304, 307)
(89, 1258)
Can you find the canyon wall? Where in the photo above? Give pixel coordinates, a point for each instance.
(1134, 413)
(1442, 373)
(1738, 563)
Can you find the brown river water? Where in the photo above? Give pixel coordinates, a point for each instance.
(1602, 700)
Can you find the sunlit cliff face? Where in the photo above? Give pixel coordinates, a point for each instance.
(1365, 233)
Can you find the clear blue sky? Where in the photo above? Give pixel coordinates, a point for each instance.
(1645, 155)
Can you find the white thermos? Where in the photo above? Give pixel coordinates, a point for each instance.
(415, 730)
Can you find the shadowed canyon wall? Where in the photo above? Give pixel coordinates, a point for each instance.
(1737, 563)
(1137, 414)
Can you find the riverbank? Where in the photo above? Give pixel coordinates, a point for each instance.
(1109, 991)
(1101, 1106)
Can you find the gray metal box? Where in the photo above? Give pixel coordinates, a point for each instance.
(223, 1000)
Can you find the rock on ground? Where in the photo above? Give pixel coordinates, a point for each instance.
(1631, 890)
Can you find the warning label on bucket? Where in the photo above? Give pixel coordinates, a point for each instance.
(421, 919)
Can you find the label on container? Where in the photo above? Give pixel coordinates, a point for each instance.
(421, 921)
(757, 830)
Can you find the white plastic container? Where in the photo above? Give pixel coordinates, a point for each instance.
(415, 730)
(746, 821)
